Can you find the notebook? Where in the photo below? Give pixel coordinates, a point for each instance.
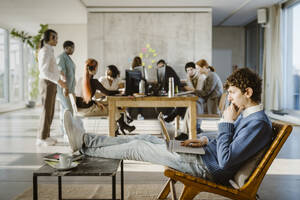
(175, 145)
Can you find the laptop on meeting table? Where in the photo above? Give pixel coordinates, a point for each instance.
(175, 145)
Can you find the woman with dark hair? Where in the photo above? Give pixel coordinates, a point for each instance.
(111, 81)
(137, 61)
(49, 79)
(89, 86)
(137, 64)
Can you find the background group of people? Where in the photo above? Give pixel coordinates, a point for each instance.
(57, 75)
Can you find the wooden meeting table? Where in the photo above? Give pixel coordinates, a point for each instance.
(153, 101)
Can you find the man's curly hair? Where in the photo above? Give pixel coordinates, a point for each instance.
(245, 78)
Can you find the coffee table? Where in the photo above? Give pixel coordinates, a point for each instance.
(89, 166)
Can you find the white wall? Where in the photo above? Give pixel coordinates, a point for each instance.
(78, 34)
(28, 15)
(228, 49)
(116, 38)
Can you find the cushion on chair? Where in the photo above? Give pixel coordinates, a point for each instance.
(246, 170)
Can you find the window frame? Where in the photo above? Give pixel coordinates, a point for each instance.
(287, 61)
(6, 67)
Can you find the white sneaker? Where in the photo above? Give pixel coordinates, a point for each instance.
(74, 130)
(46, 142)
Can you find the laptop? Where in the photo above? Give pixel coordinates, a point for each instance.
(175, 145)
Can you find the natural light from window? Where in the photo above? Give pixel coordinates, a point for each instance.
(296, 38)
(291, 57)
(296, 57)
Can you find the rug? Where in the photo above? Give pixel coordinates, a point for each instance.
(90, 191)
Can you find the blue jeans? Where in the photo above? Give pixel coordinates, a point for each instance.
(146, 148)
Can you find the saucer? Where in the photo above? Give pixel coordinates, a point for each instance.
(58, 167)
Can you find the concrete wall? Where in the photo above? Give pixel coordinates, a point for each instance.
(228, 49)
(116, 38)
(78, 34)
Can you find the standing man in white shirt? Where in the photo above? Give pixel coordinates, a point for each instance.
(49, 79)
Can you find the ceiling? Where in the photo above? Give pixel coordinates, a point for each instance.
(28, 14)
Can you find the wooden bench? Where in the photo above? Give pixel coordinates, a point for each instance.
(194, 185)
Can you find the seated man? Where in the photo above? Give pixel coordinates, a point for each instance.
(243, 131)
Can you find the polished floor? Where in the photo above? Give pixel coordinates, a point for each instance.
(19, 157)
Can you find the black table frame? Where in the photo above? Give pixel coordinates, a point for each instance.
(35, 185)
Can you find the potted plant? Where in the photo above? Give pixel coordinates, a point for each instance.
(34, 43)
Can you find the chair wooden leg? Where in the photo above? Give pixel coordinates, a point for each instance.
(173, 191)
(188, 193)
(166, 190)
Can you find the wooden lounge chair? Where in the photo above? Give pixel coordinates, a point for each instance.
(194, 185)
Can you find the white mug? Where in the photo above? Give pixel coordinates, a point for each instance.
(65, 160)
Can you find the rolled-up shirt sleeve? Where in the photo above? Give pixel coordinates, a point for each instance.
(47, 66)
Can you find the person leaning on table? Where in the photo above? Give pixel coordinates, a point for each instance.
(49, 79)
(243, 131)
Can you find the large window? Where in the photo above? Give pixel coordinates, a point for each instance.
(16, 73)
(3, 66)
(292, 56)
(13, 69)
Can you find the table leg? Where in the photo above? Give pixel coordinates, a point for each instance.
(177, 125)
(59, 188)
(193, 120)
(112, 116)
(35, 188)
(122, 180)
(114, 187)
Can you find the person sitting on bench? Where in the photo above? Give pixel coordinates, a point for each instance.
(243, 131)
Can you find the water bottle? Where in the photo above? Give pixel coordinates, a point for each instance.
(171, 87)
(142, 87)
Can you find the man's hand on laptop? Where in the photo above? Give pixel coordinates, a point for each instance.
(195, 142)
